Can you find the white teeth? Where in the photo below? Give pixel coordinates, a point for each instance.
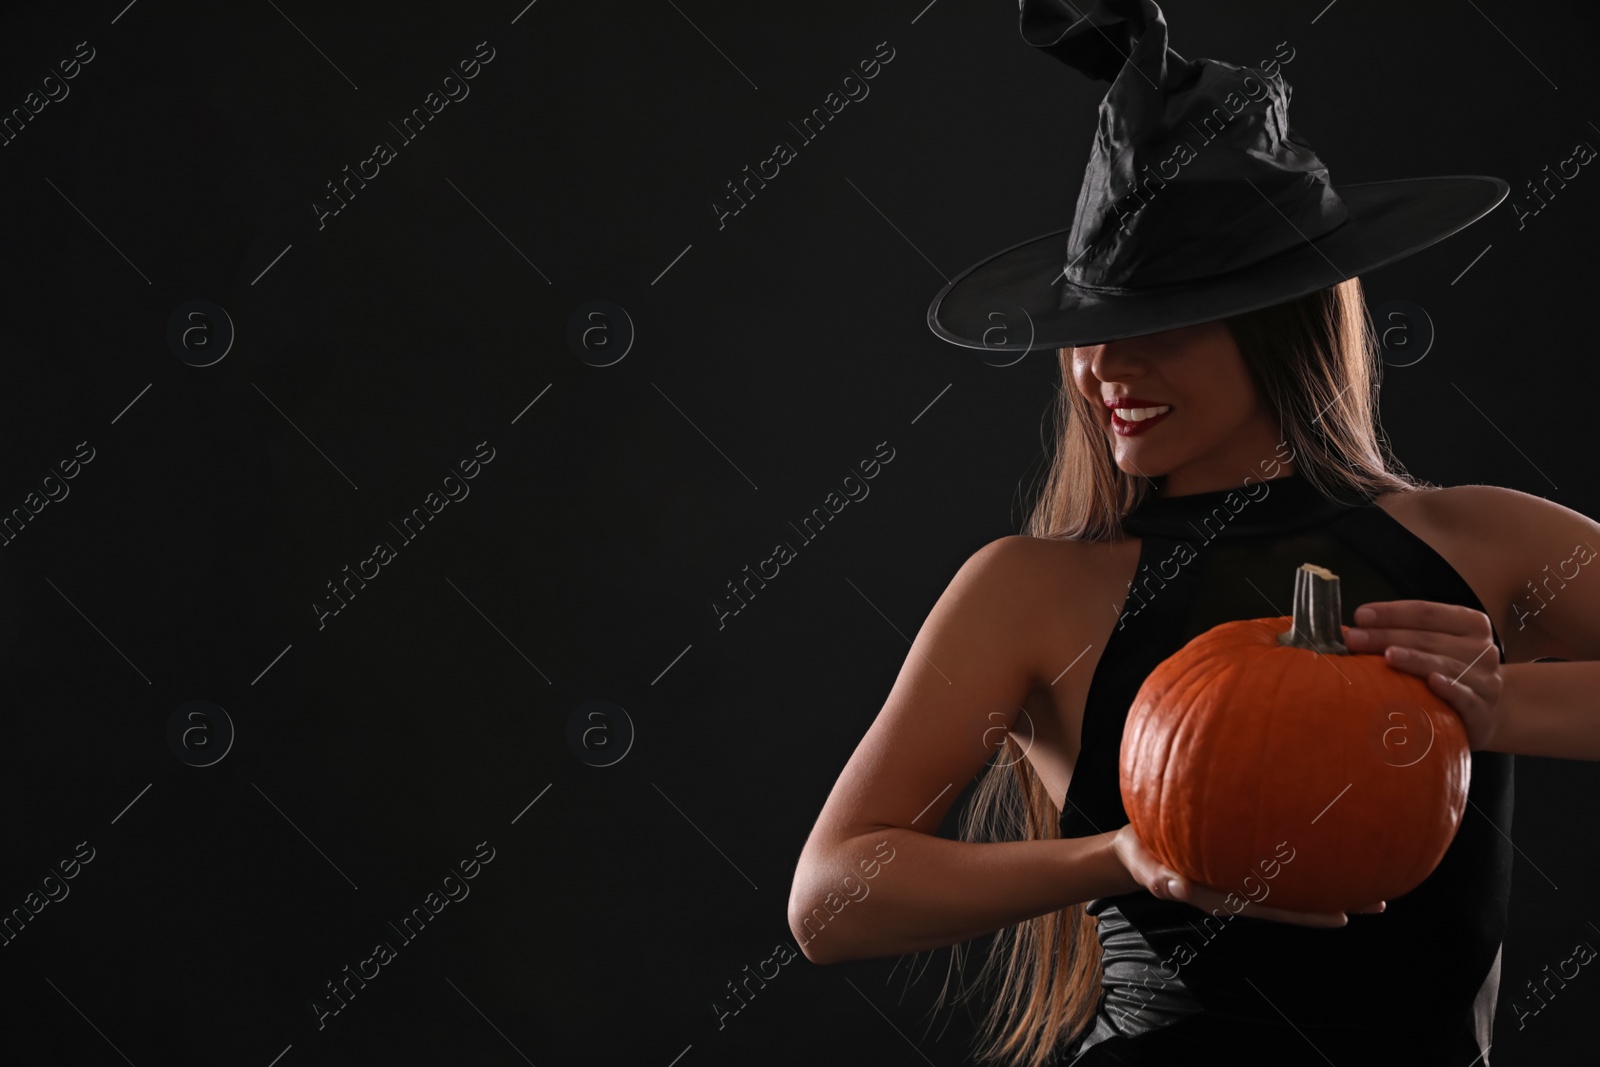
(1140, 414)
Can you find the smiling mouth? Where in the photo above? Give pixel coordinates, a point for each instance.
(1128, 422)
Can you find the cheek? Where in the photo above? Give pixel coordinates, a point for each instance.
(1082, 380)
(1211, 392)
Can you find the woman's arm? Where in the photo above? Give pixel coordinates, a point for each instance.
(1553, 709)
(973, 664)
(1549, 709)
(935, 892)
(1541, 561)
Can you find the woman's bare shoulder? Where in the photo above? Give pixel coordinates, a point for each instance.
(1051, 581)
(1467, 508)
(1470, 525)
(1028, 560)
(1500, 540)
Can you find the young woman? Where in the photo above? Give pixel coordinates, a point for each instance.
(1253, 443)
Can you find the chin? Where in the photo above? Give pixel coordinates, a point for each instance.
(1136, 466)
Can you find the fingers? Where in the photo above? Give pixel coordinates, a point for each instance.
(1457, 680)
(1456, 657)
(1423, 615)
(1181, 889)
(1167, 884)
(1464, 671)
(1307, 918)
(1327, 920)
(1376, 642)
(1424, 663)
(1422, 624)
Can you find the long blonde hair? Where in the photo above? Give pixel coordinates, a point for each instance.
(1317, 361)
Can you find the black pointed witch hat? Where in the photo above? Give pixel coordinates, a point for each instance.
(1199, 201)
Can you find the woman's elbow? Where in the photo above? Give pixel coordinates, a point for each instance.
(810, 919)
(804, 924)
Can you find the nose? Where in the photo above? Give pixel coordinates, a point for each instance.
(1114, 361)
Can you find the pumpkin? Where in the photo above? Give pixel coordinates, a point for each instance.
(1267, 734)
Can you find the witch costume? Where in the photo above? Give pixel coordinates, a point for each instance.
(1200, 202)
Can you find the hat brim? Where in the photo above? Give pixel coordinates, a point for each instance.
(1017, 300)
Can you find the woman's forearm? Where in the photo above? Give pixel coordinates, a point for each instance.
(1549, 709)
(932, 891)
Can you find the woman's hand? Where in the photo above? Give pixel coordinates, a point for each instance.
(1169, 885)
(1450, 646)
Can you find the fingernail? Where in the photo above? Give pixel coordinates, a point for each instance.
(1364, 614)
(1355, 634)
(1173, 887)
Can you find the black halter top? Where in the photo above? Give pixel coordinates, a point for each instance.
(1416, 983)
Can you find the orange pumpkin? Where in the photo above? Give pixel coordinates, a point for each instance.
(1265, 733)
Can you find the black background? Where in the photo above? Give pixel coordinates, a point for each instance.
(374, 353)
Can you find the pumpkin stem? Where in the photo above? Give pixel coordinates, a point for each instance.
(1316, 612)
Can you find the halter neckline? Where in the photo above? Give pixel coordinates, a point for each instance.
(1267, 506)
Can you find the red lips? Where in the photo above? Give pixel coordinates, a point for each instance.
(1128, 428)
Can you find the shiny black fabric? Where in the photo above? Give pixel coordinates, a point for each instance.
(1192, 142)
(1416, 984)
(1199, 201)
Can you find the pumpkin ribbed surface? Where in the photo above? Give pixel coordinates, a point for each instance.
(1237, 745)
